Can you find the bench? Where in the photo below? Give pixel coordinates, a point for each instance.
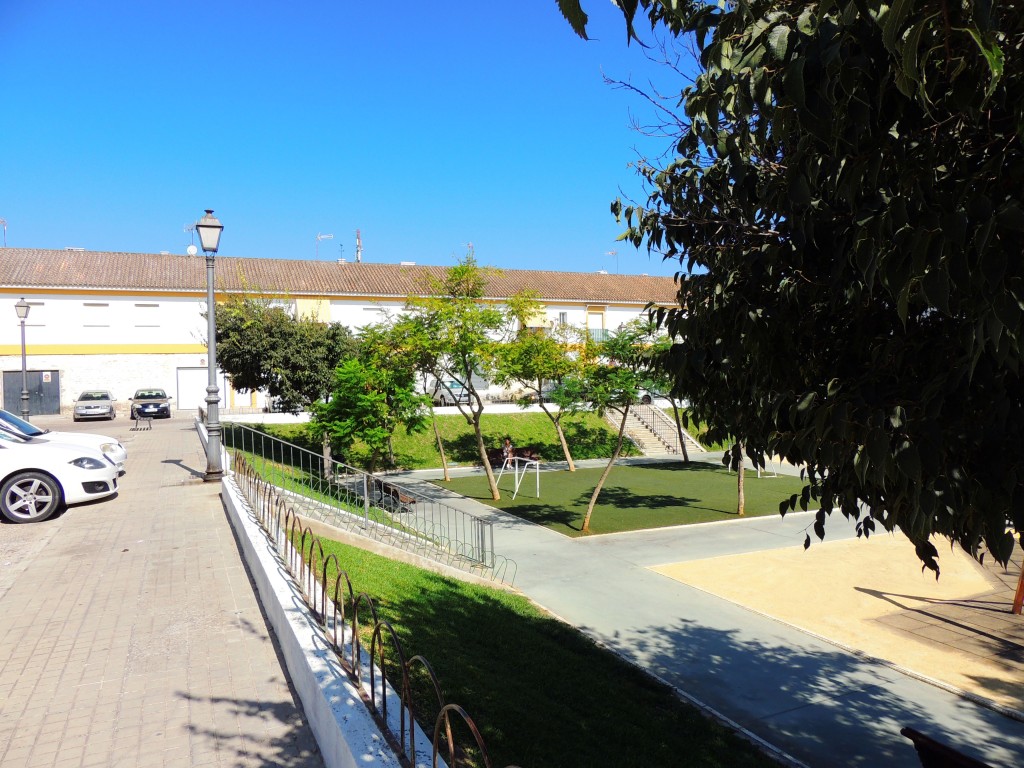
(390, 497)
(143, 422)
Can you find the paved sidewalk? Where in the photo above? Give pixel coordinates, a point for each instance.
(132, 636)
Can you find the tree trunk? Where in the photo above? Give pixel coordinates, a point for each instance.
(440, 446)
(607, 471)
(557, 421)
(328, 459)
(740, 501)
(679, 427)
(491, 482)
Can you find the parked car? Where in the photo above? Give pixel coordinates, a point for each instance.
(110, 447)
(94, 404)
(153, 403)
(38, 477)
(449, 393)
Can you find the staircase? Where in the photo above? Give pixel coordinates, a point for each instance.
(654, 432)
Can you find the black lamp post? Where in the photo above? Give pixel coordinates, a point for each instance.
(22, 308)
(209, 229)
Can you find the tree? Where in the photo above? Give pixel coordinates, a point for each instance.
(462, 329)
(540, 361)
(611, 383)
(372, 397)
(262, 347)
(846, 203)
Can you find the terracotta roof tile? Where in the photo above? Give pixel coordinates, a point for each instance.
(42, 269)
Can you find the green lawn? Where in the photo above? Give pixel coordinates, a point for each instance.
(541, 693)
(588, 435)
(634, 497)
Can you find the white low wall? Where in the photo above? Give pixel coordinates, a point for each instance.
(343, 726)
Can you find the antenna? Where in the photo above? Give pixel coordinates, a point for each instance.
(616, 255)
(3, 223)
(320, 237)
(359, 247)
(191, 228)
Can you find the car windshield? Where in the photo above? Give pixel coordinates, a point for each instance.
(94, 396)
(10, 437)
(145, 394)
(20, 425)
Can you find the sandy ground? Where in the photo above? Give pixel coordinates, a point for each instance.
(846, 591)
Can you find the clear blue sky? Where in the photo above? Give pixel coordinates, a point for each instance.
(426, 125)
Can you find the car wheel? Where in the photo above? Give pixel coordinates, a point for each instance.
(75, 418)
(30, 497)
(134, 415)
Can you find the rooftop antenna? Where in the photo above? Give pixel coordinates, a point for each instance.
(616, 255)
(320, 237)
(341, 249)
(191, 228)
(3, 223)
(359, 247)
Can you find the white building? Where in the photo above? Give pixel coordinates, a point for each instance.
(123, 321)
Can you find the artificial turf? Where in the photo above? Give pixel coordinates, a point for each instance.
(635, 496)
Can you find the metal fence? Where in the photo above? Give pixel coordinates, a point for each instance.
(340, 611)
(371, 505)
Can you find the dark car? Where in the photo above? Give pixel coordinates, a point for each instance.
(151, 403)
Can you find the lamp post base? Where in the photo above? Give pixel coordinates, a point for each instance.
(213, 475)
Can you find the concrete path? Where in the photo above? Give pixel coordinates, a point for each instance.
(130, 634)
(819, 703)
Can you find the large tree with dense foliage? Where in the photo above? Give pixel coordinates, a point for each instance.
(263, 347)
(845, 199)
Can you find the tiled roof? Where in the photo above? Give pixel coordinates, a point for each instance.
(49, 269)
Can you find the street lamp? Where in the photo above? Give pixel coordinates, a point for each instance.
(209, 229)
(22, 309)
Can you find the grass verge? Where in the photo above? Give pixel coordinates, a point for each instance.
(541, 693)
(634, 497)
(588, 436)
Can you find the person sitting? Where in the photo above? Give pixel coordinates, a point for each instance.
(507, 451)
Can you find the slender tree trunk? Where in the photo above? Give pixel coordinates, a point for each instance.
(440, 446)
(328, 459)
(557, 421)
(740, 500)
(607, 471)
(679, 427)
(491, 482)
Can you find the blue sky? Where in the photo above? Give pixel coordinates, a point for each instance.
(425, 125)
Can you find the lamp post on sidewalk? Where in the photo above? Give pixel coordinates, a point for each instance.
(209, 229)
(22, 308)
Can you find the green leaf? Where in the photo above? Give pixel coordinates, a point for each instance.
(893, 23)
(573, 13)
(778, 41)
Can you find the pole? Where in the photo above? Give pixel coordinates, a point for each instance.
(214, 470)
(24, 375)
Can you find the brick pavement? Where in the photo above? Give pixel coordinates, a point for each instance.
(132, 636)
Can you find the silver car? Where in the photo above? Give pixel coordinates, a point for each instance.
(94, 404)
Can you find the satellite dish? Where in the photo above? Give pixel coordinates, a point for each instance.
(191, 250)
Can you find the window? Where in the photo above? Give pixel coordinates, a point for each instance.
(145, 315)
(95, 314)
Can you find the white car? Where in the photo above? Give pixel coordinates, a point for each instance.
(37, 477)
(108, 446)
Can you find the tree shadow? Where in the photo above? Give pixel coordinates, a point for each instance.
(624, 498)
(816, 704)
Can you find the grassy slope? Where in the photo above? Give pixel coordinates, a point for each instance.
(541, 693)
(589, 437)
